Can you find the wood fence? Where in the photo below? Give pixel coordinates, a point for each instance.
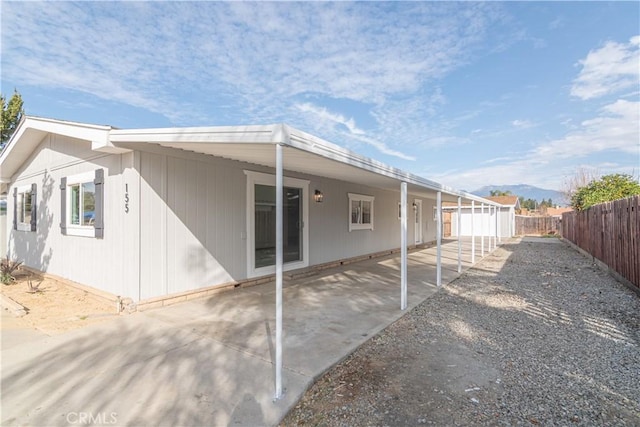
(611, 233)
(537, 225)
(446, 224)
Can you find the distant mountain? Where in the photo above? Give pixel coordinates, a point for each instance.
(526, 191)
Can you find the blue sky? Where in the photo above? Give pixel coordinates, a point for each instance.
(467, 94)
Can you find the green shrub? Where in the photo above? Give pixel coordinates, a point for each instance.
(7, 268)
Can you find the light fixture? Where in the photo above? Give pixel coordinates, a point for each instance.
(318, 196)
(415, 207)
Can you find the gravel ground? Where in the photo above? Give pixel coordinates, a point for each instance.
(533, 335)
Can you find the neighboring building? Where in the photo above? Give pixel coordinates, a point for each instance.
(482, 221)
(557, 211)
(146, 213)
(507, 219)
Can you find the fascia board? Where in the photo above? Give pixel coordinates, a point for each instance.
(213, 135)
(277, 134)
(30, 132)
(84, 131)
(320, 147)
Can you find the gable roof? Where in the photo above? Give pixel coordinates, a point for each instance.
(30, 132)
(302, 152)
(511, 201)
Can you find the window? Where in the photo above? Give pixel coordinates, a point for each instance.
(83, 204)
(360, 212)
(81, 208)
(25, 208)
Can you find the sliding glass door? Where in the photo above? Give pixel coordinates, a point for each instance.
(265, 225)
(261, 223)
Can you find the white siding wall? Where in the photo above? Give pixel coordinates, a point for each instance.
(91, 261)
(175, 221)
(329, 221)
(195, 239)
(505, 222)
(3, 234)
(199, 237)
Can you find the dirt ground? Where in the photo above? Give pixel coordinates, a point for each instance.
(56, 307)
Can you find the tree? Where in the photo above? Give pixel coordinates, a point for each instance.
(606, 189)
(528, 204)
(12, 112)
(581, 178)
(500, 193)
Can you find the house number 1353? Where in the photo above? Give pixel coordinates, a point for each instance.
(126, 198)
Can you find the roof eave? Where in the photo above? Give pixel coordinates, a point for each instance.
(32, 130)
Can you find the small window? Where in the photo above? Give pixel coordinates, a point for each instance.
(360, 212)
(25, 208)
(82, 204)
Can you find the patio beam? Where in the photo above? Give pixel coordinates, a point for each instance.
(458, 233)
(279, 261)
(439, 239)
(403, 246)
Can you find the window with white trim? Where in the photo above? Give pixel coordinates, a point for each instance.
(82, 204)
(82, 197)
(25, 208)
(360, 212)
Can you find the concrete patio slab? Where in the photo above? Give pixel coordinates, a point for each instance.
(209, 361)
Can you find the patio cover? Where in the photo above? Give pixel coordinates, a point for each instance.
(276, 146)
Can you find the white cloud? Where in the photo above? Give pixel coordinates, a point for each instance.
(616, 128)
(330, 119)
(327, 116)
(522, 124)
(255, 57)
(609, 69)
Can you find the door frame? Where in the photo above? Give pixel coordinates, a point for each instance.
(418, 237)
(260, 178)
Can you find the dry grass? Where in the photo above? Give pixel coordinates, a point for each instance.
(56, 307)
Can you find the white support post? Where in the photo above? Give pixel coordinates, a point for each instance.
(482, 230)
(473, 235)
(439, 239)
(279, 259)
(495, 230)
(459, 238)
(490, 234)
(499, 227)
(403, 246)
(498, 238)
(489, 227)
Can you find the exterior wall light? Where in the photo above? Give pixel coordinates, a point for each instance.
(318, 196)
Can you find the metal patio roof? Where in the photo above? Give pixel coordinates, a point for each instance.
(303, 152)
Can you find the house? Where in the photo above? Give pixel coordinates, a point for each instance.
(151, 213)
(509, 205)
(484, 219)
(556, 211)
